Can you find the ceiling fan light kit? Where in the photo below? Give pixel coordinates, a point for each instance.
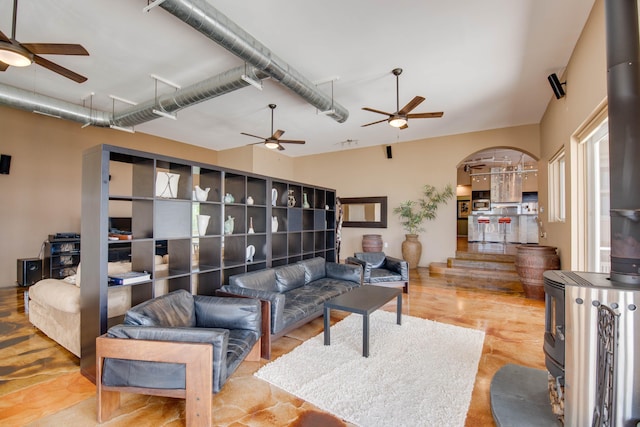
(397, 122)
(271, 144)
(14, 55)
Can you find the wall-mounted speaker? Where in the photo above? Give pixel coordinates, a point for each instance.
(389, 154)
(5, 164)
(556, 85)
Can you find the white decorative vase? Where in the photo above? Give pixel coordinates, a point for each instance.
(199, 194)
(251, 250)
(251, 230)
(250, 200)
(305, 202)
(274, 196)
(203, 223)
(229, 225)
(167, 185)
(274, 224)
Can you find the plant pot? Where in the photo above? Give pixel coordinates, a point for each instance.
(372, 243)
(531, 263)
(411, 250)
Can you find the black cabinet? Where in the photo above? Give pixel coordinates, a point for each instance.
(61, 258)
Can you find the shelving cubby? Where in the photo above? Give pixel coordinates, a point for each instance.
(156, 196)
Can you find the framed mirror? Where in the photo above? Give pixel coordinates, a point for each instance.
(364, 212)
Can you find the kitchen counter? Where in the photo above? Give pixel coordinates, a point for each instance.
(521, 228)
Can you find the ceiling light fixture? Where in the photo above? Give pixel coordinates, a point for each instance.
(14, 55)
(397, 121)
(271, 144)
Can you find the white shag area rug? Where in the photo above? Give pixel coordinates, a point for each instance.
(420, 373)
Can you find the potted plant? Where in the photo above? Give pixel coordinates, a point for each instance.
(412, 214)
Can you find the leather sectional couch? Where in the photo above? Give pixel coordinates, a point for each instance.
(293, 294)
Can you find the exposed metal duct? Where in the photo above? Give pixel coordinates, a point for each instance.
(213, 24)
(182, 98)
(30, 101)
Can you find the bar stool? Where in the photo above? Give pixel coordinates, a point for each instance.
(504, 222)
(483, 221)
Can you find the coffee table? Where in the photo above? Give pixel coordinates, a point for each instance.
(363, 300)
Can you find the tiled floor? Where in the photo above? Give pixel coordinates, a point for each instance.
(40, 383)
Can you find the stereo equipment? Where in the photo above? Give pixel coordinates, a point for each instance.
(5, 164)
(29, 271)
(389, 155)
(556, 85)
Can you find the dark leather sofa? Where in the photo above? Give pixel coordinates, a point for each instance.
(231, 325)
(293, 294)
(380, 269)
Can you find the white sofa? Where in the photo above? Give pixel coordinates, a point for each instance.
(54, 305)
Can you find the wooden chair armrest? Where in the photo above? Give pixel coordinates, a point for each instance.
(197, 358)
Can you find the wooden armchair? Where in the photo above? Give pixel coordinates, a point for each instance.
(200, 339)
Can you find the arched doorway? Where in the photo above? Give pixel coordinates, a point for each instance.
(498, 185)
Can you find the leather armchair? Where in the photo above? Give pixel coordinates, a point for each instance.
(173, 329)
(382, 270)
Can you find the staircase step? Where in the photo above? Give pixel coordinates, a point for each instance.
(481, 264)
(500, 257)
(443, 269)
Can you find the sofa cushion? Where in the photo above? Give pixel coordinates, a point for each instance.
(314, 269)
(289, 277)
(262, 280)
(376, 259)
(57, 294)
(170, 310)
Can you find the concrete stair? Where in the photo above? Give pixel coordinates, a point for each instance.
(477, 265)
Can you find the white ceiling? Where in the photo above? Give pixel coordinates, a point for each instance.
(485, 64)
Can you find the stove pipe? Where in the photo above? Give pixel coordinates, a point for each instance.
(623, 86)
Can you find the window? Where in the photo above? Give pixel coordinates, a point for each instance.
(557, 187)
(595, 149)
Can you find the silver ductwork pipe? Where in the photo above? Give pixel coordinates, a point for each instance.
(203, 17)
(185, 97)
(30, 101)
(171, 103)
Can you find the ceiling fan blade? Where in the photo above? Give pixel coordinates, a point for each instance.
(425, 115)
(405, 126)
(411, 105)
(255, 136)
(3, 66)
(373, 123)
(376, 111)
(59, 69)
(4, 38)
(277, 134)
(280, 147)
(55, 49)
(291, 141)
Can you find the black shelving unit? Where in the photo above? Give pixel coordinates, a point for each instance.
(61, 257)
(167, 220)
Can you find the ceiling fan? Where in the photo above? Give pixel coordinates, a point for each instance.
(14, 53)
(401, 117)
(274, 140)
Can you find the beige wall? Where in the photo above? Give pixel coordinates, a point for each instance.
(586, 91)
(366, 172)
(41, 195)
